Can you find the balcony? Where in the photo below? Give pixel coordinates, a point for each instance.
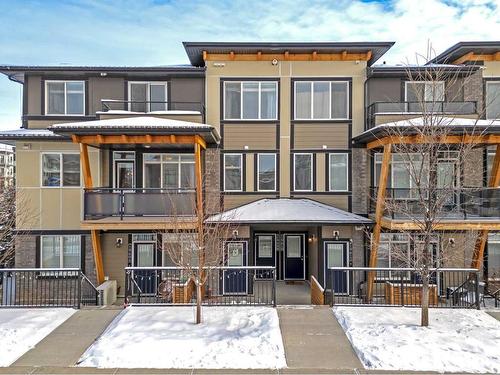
(183, 111)
(383, 112)
(109, 208)
(472, 204)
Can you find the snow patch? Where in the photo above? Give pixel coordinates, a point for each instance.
(390, 338)
(21, 329)
(166, 337)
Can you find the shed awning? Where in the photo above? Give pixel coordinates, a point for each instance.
(288, 211)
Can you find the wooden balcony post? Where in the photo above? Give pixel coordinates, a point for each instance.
(478, 255)
(379, 212)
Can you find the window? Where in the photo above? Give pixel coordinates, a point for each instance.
(60, 251)
(393, 252)
(60, 170)
(233, 172)
(265, 246)
(147, 96)
(321, 100)
(183, 245)
(65, 98)
(493, 100)
(266, 170)
(339, 180)
(494, 256)
(490, 158)
(303, 172)
(169, 171)
(250, 100)
(424, 91)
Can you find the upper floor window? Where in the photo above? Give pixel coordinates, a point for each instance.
(65, 98)
(302, 172)
(60, 170)
(266, 172)
(493, 100)
(321, 100)
(250, 100)
(147, 96)
(424, 91)
(169, 171)
(233, 172)
(338, 172)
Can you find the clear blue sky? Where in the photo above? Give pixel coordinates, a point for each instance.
(149, 32)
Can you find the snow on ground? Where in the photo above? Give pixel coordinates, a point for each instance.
(390, 338)
(166, 337)
(21, 329)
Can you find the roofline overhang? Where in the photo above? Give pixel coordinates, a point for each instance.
(451, 53)
(403, 71)
(313, 222)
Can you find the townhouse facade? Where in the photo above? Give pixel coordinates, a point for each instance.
(282, 135)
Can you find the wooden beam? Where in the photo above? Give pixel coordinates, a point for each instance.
(84, 160)
(231, 55)
(96, 247)
(139, 223)
(452, 225)
(199, 140)
(445, 139)
(471, 56)
(368, 55)
(315, 55)
(205, 55)
(136, 139)
(74, 138)
(464, 58)
(344, 55)
(259, 55)
(288, 56)
(379, 212)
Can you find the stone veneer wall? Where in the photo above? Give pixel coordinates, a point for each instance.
(360, 180)
(212, 180)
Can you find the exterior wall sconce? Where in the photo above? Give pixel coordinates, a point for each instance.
(311, 238)
(336, 235)
(119, 242)
(451, 241)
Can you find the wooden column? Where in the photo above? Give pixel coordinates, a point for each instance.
(94, 234)
(379, 212)
(478, 255)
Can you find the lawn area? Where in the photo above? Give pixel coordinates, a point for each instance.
(21, 329)
(390, 338)
(166, 337)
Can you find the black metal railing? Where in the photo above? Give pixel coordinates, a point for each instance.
(448, 287)
(464, 203)
(147, 106)
(435, 107)
(109, 202)
(47, 287)
(224, 286)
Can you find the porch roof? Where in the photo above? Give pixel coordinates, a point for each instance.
(29, 135)
(288, 210)
(138, 125)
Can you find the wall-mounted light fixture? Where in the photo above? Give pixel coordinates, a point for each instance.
(311, 238)
(235, 233)
(451, 241)
(119, 242)
(336, 234)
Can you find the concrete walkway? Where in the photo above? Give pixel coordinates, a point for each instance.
(313, 339)
(65, 345)
(297, 293)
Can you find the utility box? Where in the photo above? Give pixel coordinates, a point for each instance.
(107, 291)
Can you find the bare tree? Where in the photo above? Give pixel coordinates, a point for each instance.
(194, 244)
(429, 189)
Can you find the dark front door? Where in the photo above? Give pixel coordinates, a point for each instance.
(336, 255)
(235, 279)
(294, 257)
(145, 256)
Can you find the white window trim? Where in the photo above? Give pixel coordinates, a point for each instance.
(258, 172)
(148, 92)
(123, 160)
(241, 101)
(61, 171)
(161, 162)
(65, 98)
(241, 174)
(330, 171)
(312, 118)
(391, 241)
(312, 170)
(489, 82)
(61, 246)
(426, 82)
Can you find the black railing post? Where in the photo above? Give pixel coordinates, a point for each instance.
(401, 282)
(476, 290)
(79, 292)
(332, 286)
(122, 203)
(274, 287)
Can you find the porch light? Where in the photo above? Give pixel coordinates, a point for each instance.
(311, 238)
(336, 235)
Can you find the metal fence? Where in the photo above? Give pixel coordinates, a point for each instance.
(448, 287)
(46, 287)
(224, 286)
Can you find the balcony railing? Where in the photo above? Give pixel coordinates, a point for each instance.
(398, 108)
(465, 203)
(112, 105)
(101, 203)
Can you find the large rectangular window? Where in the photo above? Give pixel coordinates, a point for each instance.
(233, 172)
(424, 91)
(492, 100)
(60, 251)
(493, 258)
(266, 172)
(147, 96)
(65, 98)
(339, 172)
(302, 172)
(60, 170)
(393, 252)
(252, 100)
(169, 171)
(321, 100)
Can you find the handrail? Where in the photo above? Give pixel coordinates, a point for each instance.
(84, 277)
(401, 269)
(197, 268)
(39, 269)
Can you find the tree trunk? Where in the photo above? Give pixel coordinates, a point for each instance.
(199, 290)
(424, 321)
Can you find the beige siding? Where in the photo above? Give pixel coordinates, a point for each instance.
(338, 201)
(250, 172)
(34, 94)
(104, 88)
(114, 258)
(492, 69)
(315, 136)
(231, 201)
(321, 184)
(345, 231)
(254, 136)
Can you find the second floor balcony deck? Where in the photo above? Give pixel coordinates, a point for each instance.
(382, 112)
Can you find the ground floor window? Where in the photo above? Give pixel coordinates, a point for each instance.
(60, 251)
(493, 257)
(180, 249)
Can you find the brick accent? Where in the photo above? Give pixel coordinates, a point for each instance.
(212, 180)
(25, 251)
(473, 89)
(473, 168)
(89, 260)
(360, 180)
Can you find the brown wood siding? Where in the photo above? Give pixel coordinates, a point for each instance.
(255, 136)
(315, 136)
